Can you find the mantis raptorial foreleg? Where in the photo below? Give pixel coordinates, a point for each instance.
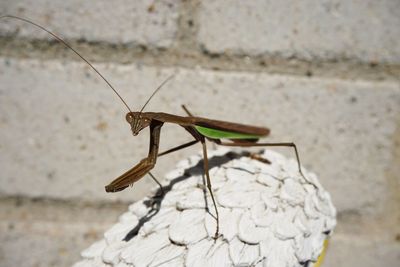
(143, 167)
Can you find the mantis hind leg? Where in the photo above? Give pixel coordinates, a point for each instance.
(209, 187)
(285, 144)
(198, 137)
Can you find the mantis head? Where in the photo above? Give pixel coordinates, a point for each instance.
(137, 121)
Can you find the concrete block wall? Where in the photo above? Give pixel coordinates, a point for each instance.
(324, 74)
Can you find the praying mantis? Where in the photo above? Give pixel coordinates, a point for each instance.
(201, 129)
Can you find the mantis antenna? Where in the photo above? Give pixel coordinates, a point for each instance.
(155, 91)
(70, 47)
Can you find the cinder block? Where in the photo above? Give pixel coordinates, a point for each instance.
(45, 244)
(146, 23)
(365, 251)
(50, 234)
(363, 30)
(63, 132)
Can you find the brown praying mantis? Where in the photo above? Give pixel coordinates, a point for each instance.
(201, 129)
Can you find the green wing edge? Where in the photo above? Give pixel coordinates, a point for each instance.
(220, 134)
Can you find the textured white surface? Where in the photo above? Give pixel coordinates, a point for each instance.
(269, 216)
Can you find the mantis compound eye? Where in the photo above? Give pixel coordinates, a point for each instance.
(129, 117)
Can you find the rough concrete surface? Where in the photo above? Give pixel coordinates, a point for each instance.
(147, 23)
(88, 141)
(324, 74)
(346, 249)
(48, 232)
(365, 30)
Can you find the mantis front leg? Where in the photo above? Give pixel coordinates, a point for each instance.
(144, 166)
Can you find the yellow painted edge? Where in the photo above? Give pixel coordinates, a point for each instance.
(322, 256)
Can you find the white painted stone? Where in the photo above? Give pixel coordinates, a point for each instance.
(111, 254)
(219, 255)
(127, 217)
(239, 174)
(141, 253)
(138, 209)
(122, 264)
(271, 202)
(235, 195)
(292, 192)
(309, 207)
(159, 222)
(283, 225)
(229, 222)
(251, 232)
(243, 165)
(187, 183)
(268, 180)
(278, 252)
(174, 174)
(188, 227)
(94, 250)
(118, 231)
(311, 29)
(196, 255)
(194, 198)
(120, 21)
(168, 256)
(262, 215)
(243, 254)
